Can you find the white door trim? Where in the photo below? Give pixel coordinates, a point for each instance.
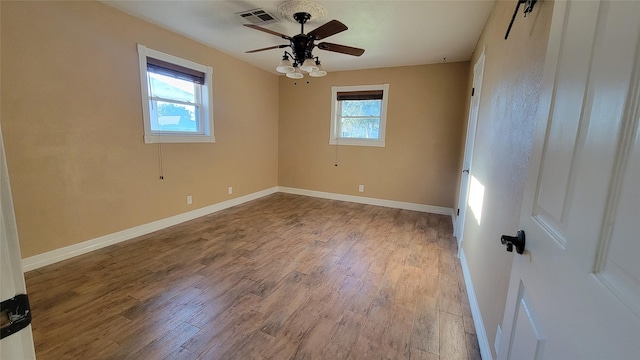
(472, 125)
(20, 344)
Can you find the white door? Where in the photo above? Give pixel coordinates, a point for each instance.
(575, 292)
(18, 345)
(478, 70)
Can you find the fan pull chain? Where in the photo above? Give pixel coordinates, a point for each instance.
(160, 168)
(336, 158)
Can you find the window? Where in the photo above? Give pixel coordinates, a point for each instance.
(176, 98)
(358, 115)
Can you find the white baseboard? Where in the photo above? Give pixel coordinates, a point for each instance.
(40, 260)
(50, 257)
(483, 342)
(369, 201)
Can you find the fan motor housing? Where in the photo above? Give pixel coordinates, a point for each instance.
(302, 45)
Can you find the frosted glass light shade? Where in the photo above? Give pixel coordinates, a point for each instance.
(295, 75)
(318, 73)
(285, 66)
(309, 65)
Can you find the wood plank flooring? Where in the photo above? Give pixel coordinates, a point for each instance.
(282, 277)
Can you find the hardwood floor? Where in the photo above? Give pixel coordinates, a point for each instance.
(282, 277)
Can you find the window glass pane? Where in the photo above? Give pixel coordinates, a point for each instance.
(168, 87)
(361, 107)
(360, 128)
(166, 116)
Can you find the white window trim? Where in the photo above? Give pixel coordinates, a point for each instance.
(334, 139)
(207, 99)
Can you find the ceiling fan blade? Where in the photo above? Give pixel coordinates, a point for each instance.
(267, 48)
(331, 28)
(267, 31)
(340, 49)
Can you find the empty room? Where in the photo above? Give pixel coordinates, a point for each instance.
(446, 179)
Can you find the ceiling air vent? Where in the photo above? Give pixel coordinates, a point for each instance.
(257, 16)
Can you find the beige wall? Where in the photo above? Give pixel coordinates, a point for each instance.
(509, 99)
(426, 106)
(73, 130)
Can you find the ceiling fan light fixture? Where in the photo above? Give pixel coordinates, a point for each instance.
(309, 65)
(285, 66)
(301, 60)
(296, 74)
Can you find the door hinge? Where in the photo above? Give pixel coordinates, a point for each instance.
(17, 313)
(473, 91)
(458, 213)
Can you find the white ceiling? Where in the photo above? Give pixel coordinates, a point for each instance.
(393, 33)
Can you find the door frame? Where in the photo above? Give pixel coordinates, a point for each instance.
(20, 344)
(467, 160)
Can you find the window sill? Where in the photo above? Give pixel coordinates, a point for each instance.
(357, 142)
(165, 139)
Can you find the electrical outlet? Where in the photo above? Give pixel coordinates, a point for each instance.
(189, 200)
(361, 188)
(230, 190)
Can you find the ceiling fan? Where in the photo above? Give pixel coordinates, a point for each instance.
(303, 44)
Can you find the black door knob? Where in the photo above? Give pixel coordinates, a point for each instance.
(510, 241)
